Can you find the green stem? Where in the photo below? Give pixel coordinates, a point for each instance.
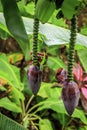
(23, 109)
(34, 125)
(29, 101)
(71, 48)
(35, 106)
(35, 41)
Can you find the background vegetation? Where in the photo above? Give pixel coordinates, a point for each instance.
(46, 110)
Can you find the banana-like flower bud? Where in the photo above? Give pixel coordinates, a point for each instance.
(34, 77)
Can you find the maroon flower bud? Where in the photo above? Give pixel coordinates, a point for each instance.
(34, 77)
(61, 75)
(70, 96)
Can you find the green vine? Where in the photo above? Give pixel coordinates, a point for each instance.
(71, 47)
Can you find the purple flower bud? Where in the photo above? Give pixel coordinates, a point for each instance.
(34, 77)
(70, 96)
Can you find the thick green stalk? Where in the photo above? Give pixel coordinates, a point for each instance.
(71, 48)
(35, 41)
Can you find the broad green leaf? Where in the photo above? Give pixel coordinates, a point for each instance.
(15, 24)
(9, 124)
(45, 124)
(56, 105)
(82, 53)
(56, 35)
(52, 103)
(69, 8)
(10, 73)
(7, 104)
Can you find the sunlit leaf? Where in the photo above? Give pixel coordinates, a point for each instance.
(45, 90)
(45, 124)
(7, 104)
(69, 8)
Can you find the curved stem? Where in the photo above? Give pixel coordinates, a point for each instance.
(71, 48)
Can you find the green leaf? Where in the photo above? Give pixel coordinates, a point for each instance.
(69, 8)
(83, 128)
(82, 53)
(9, 72)
(55, 63)
(16, 95)
(15, 24)
(9, 124)
(3, 34)
(55, 103)
(7, 104)
(15, 57)
(45, 90)
(45, 124)
(62, 118)
(81, 115)
(56, 36)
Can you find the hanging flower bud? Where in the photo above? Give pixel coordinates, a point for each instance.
(61, 75)
(70, 96)
(34, 77)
